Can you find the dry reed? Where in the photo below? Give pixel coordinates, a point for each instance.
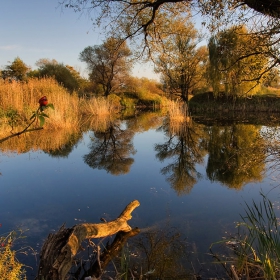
(177, 111)
(97, 106)
(23, 97)
(178, 117)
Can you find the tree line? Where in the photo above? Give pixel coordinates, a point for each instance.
(236, 62)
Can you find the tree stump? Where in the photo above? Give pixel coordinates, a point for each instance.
(59, 249)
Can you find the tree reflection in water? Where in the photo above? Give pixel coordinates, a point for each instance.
(185, 146)
(151, 254)
(236, 154)
(160, 254)
(111, 149)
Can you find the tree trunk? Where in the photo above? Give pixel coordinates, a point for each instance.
(60, 248)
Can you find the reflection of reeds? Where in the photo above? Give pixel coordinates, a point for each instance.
(177, 111)
(46, 140)
(178, 117)
(99, 123)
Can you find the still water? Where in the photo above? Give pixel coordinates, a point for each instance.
(191, 179)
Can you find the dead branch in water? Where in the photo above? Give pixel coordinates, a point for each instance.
(59, 249)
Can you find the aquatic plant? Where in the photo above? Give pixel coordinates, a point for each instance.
(255, 252)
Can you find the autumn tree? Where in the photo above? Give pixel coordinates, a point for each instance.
(108, 64)
(141, 19)
(234, 68)
(180, 61)
(60, 72)
(17, 70)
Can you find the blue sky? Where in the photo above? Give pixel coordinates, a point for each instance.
(34, 29)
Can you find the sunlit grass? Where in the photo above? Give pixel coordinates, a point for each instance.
(22, 98)
(10, 267)
(97, 106)
(177, 111)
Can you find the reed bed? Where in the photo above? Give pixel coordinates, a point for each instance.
(177, 111)
(22, 99)
(99, 106)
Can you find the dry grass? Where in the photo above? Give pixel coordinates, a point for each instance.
(10, 267)
(18, 101)
(178, 117)
(23, 98)
(177, 112)
(99, 106)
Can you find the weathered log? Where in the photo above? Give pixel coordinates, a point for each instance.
(60, 248)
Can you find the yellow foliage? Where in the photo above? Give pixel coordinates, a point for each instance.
(10, 267)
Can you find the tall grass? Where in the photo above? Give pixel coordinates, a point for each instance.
(177, 111)
(99, 106)
(260, 249)
(23, 97)
(255, 252)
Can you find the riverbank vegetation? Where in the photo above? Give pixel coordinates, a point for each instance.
(237, 70)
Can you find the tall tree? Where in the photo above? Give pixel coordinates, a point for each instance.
(181, 62)
(17, 70)
(234, 68)
(133, 19)
(108, 64)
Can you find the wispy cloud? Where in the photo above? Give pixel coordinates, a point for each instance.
(9, 47)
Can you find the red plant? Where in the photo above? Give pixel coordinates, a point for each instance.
(43, 101)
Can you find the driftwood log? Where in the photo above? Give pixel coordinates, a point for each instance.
(59, 249)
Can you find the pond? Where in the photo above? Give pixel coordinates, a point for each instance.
(192, 181)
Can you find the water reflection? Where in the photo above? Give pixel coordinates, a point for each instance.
(138, 254)
(111, 149)
(67, 147)
(160, 254)
(185, 147)
(236, 154)
(54, 142)
(111, 146)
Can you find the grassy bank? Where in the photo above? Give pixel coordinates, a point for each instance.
(18, 101)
